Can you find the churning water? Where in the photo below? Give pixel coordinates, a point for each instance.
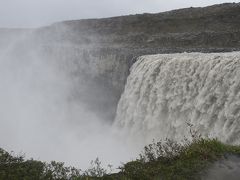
(165, 93)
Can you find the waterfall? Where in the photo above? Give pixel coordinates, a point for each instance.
(165, 93)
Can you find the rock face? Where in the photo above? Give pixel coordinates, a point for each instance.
(226, 168)
(101, 51)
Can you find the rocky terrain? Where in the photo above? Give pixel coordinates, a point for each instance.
(103, 50)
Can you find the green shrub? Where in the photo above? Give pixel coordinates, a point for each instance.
(171, 160)
(160, 160)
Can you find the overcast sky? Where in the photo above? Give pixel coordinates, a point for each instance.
(34, 13)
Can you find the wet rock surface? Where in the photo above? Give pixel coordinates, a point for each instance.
(226, 168)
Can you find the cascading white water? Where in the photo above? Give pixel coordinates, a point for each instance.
(165, 92)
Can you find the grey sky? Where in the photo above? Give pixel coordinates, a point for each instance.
(33, 13)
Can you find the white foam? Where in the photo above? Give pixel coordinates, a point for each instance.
(165, 92)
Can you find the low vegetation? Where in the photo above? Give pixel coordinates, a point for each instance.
(159, 160)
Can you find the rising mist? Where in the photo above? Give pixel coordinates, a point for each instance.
(45, 113)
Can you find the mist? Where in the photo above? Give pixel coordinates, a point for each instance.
(41, 117)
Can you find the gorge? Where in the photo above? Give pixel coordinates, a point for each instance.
(61, 84)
